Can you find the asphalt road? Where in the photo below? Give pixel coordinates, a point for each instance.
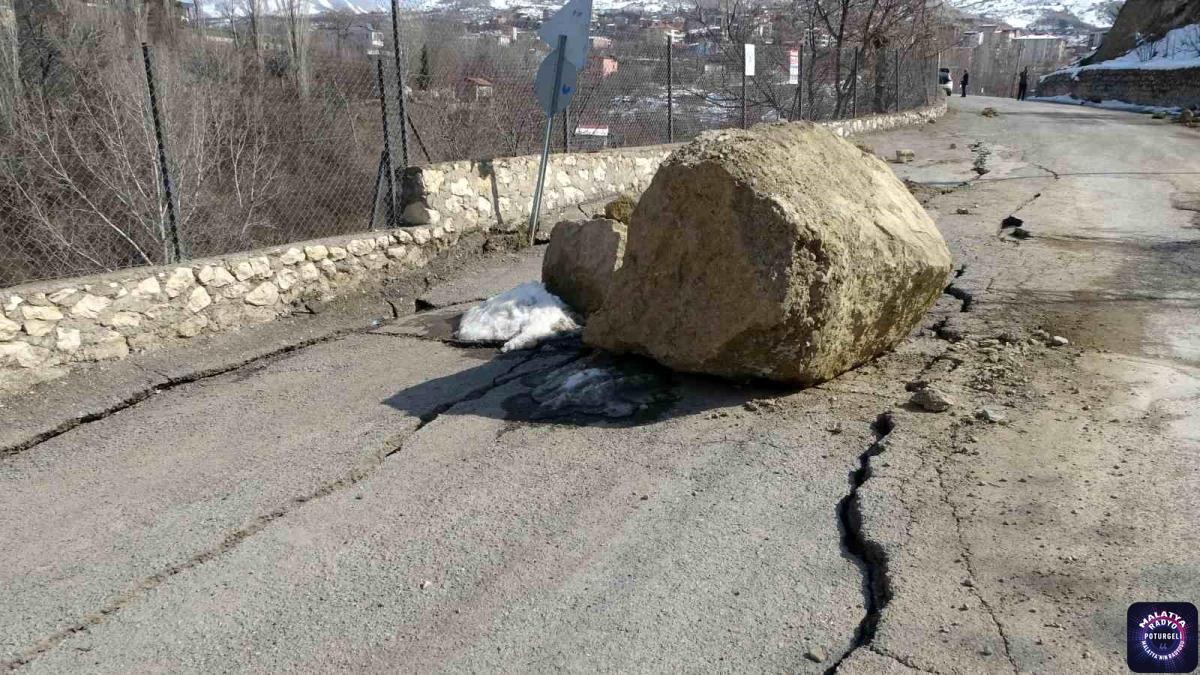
(382, 499)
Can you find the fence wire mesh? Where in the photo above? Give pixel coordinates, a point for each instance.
(288, 127)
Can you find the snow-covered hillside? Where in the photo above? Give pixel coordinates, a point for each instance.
(1021, 13)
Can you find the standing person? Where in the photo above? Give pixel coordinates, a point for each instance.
(966, 79)
(1023, 84)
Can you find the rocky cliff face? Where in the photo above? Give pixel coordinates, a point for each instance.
(1150, 18)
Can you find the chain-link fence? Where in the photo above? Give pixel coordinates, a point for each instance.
(262, 129)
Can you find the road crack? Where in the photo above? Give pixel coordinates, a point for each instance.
(235, 538)
(965, 552)
(871, 555)
(167, 384)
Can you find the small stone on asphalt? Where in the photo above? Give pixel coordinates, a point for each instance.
(931, 400)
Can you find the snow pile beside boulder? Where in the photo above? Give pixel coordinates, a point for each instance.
(520, 318)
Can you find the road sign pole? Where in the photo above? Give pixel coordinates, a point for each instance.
(541, 178)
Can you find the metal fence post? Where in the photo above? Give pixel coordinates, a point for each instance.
(670, 95)
(897, 80)
(854, 86)
(174, 253)
(402, 116)
(387, 147)
(566, 124)
(744, 118)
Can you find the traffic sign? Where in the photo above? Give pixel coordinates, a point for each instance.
(543, 86)
(573, 20)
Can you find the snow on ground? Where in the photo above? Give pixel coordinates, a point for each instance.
(1022, 13)
(520, 318)
(1179, 48)
(1111, 104)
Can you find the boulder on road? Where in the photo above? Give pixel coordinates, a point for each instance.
(780, 252)
(580, 261)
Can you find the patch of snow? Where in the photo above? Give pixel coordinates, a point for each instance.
(1110, 104)
(1180, 48)
(1022, 13)
(520, 318)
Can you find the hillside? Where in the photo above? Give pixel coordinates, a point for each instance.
(1025, 13)
(1150, 19)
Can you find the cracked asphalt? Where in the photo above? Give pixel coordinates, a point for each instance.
(355, 491)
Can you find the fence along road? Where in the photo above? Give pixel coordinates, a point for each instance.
(261, 140)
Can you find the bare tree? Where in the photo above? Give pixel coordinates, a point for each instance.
(297, 38)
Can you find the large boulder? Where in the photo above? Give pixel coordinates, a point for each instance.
(580, 260)
(781, 252)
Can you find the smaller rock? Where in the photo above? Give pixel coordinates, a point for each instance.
(905, 156)
(64, 297)
(216, 276)
(1059, 341)
(38, 300)
(191, 326)
(68, 340)
(8, 328)
(263, 295)
(38, 328)
(989, 415)
(916, 385)
(361, 246)
(261, 266)
(89, 306)
(41, 313)
(418, 213)
(338, 253)
(243, 270)
(954, 146)
(123, 320)
(420, 235)
(198, 300)
(178, 281)
(315, 253)
(620, 209)
(291, 256)
(930, 399)
(581, 259)
(816, 655)
(309, 271)
(1187, 116)
(285, 279)
(963, 211)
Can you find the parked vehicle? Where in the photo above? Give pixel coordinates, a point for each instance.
(945, 81)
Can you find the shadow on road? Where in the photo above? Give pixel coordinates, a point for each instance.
(568, 383)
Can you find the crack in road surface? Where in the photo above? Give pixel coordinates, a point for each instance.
(167, 384)
(871, 555)
(260, 522)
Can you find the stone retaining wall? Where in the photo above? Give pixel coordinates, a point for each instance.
(49, 327)
(1178, 87)
(498, 194)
